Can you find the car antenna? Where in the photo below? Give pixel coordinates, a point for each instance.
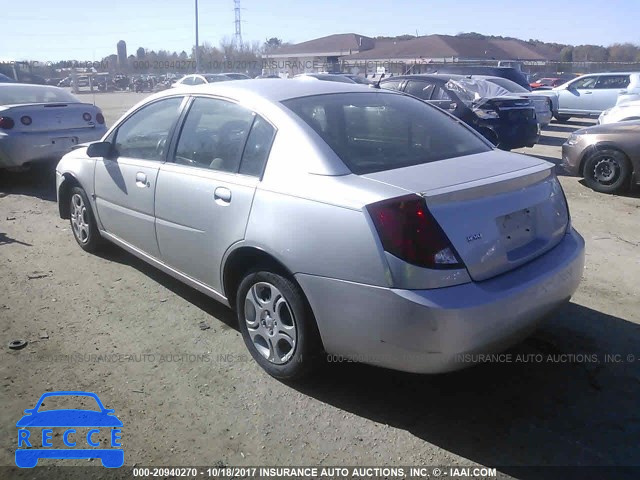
(377, 85)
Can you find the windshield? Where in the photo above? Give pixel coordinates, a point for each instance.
(375, 131)
(17, 94)
(507, 84)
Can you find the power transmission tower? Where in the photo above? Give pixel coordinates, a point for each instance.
(238, 24)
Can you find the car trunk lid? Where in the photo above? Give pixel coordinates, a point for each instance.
(499, 210)
(52, 117)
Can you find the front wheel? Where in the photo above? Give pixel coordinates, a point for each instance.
(607, 171)
(562, 118)
(277, 325)
(83, 223)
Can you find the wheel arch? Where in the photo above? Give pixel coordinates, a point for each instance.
(590, 150)
(242, 259)
(64, 192)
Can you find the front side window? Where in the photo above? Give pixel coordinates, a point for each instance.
(613, 81)
(198, 81)
(585, 83)
(391, 84)
(214, 134)
(372, 132)
(187, 81)
(144, 134)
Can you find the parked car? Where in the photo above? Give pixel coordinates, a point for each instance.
(607, 156)
(550, 82)
(5, 79)
(620, 113)
(40, 123)
(236, 76)
(360, 222)
(65, 82)
(542, 104)
(509, 73)
(505, 120)
(589, 95)
(327, 77)
(201, 79)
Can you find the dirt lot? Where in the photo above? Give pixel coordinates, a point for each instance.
(189, 396)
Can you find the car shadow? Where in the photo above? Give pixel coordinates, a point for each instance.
(113, 253)
(39, 182)
(564, 403)
(552, 141)
(633, 191)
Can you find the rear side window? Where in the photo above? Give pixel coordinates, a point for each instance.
(213, 135)
(420, 89)
(372, 132)
(257, 149)
(613, 81)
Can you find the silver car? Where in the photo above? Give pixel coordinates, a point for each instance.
(39, 123)
(589, 95)
(361, 223)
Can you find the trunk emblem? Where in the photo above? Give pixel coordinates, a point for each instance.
(475, 236)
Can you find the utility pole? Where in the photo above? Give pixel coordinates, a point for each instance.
(197, 42)
(238, 24)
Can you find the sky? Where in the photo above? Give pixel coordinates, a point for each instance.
(88, 30)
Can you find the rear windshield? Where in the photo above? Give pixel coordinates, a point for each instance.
(376, 131)
(16, 94)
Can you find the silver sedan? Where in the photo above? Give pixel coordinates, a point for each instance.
(331, 218)
(40, 123)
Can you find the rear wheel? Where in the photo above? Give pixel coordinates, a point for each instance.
(83, 223)
(607, 171)
(562, 118)
(277, 325)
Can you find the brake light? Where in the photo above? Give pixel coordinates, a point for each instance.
(408, 230)
(99, 118)
(6, 123)
(26, 120)
(86, 116)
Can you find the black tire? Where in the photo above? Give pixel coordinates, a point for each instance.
(561, 118)
(297, 362)
(607, 171)
(84, 231)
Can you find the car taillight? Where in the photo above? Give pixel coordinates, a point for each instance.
(26, 120)
(99, 118)
(86, 116)
(6, 123)
(408, 230)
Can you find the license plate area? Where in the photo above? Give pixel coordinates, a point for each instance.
(517, 229)
(63, 144)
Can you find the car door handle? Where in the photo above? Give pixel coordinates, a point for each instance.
(222, 195)
(588, 93)
(141, 180)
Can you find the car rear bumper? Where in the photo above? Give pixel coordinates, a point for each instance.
(430, 331)
(16, 149)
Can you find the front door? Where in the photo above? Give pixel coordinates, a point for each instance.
(125, 184)
(205, 192)
(578, 96)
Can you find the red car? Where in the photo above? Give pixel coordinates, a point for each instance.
(549, 82)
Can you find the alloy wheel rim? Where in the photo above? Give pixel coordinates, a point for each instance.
(270, 322)
(79, 220)
(606, 171)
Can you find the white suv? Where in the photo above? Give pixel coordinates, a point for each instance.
(589, 95)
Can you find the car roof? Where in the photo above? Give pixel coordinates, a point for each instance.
(269, 89)
(443, 77)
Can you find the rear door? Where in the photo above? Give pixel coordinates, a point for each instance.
(125, 184)
(578, 96)
(205, 191)
(607, 89)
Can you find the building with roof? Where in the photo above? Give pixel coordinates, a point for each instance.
(355, 53)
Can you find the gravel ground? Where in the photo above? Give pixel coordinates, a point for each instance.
(192, 396)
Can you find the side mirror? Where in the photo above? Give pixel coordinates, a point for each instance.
(452, 106)
(100, 149)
